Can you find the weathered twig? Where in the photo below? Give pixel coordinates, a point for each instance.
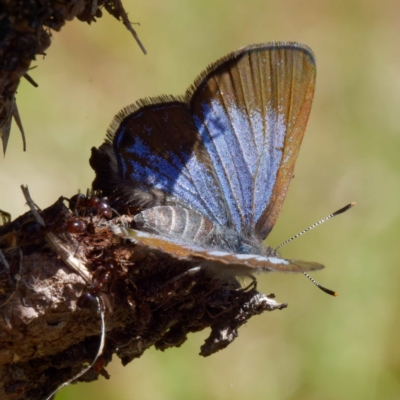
(46, 339)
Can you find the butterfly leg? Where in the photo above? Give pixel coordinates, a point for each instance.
(251, 286)
(195, 270)
(190, 272)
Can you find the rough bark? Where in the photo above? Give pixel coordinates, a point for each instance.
(46, 339)
(46, 271)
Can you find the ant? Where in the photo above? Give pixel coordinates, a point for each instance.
(91, 204)
(83, 206)
(102, 276)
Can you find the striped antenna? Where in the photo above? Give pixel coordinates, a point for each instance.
(324, 289)
(341, 211)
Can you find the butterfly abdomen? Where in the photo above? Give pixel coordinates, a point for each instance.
(175, 222)
(186, 225)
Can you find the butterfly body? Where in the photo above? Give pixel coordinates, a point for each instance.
(209, 171)
(183, 224)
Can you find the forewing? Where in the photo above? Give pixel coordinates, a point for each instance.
(218, 262)
(251, 109)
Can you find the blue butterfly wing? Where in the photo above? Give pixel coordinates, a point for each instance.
(227, 149)
(158, 149)
(251, 110)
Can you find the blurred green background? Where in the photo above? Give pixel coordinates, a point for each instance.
(319, 347)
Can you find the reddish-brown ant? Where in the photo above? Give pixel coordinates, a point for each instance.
(84, 206)
(91, 204)
(102, 276)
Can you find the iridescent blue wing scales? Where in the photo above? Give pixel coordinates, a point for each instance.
(251, 112)
(159, 149)
(210, 170)
(227, 149)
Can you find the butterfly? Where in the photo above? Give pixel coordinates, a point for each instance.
(209, 170)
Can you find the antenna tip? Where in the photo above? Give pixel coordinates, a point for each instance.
(328, 291)
(344, 209)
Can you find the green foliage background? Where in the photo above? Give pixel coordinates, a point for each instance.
(319, 347)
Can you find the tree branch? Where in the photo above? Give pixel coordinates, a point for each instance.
(46, 338)
(26, 32)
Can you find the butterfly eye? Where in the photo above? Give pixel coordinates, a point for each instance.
(268, 251)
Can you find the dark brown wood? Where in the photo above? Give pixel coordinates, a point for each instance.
(45, 338)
